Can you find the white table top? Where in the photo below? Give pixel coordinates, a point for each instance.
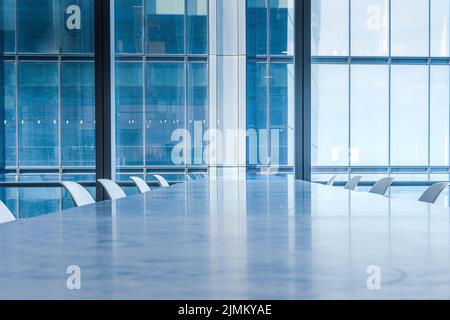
(261, 238)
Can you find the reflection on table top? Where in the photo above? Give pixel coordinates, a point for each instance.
(261, 238)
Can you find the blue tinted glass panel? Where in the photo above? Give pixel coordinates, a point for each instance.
(257, 117)
(197, 108)
(282, 27)
(8, 25)
(38, 24)
(129, 114)
(77, 114)
(38, 201)
(38, 114)
(77, 33)
(256, 27)
(165, 26)
(197, 26)
(282, 114)
(8, 118)
(128, 26)
(165, 110)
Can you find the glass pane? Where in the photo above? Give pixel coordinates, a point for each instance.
(164, 26)
(440, 126)
(38, 25)
(282, 27)
(38, 114)
(282, 114)
(257, 85)
(77, 34)
(197, 26)
(197, 109)
(8, 118)
(370, 33)
(330, 27)
(77, 114)
(256, 27)
(129, 114)
(409, 115)
(330, 115)
(38, 201)
(370, 115)
(8, 25)
(410, 27)
(128, 26)
(440, 28)
(165, 110)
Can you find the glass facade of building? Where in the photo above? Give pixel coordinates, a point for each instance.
(47, 100)
(270, 82)
(161, 85)
(380, 89)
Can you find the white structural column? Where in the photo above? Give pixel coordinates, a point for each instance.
(227, 87)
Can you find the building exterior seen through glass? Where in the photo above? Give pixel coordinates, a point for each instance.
(270, 82)
(380, 89)
(47, 99)
(161, 83)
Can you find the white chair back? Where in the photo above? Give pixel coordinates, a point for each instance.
(382, 186)
(80, 196)
(353, 183)
(5, 214)
(113, 190)
(330, 182)
(162, 182)
(141, 184)
(432, 193)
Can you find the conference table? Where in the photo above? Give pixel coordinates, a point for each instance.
(264, 237)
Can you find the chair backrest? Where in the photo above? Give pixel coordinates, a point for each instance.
(113, 190)
(432, 193)
(382, 186)
(330, 182)
(141, 184)
(5, 214)
(162, 182)
(353, 183)
(80, 196)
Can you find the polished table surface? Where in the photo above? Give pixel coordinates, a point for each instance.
(259, 238)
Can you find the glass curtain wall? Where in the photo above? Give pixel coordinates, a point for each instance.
(47, 116)
(270, 83)
(161, 87)
(380, 89)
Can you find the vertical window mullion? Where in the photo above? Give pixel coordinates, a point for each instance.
(390, 89)
(186, 53)
(102, 10)
(59, 117)
(429, 89)
(349, 151)
(143, 64)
